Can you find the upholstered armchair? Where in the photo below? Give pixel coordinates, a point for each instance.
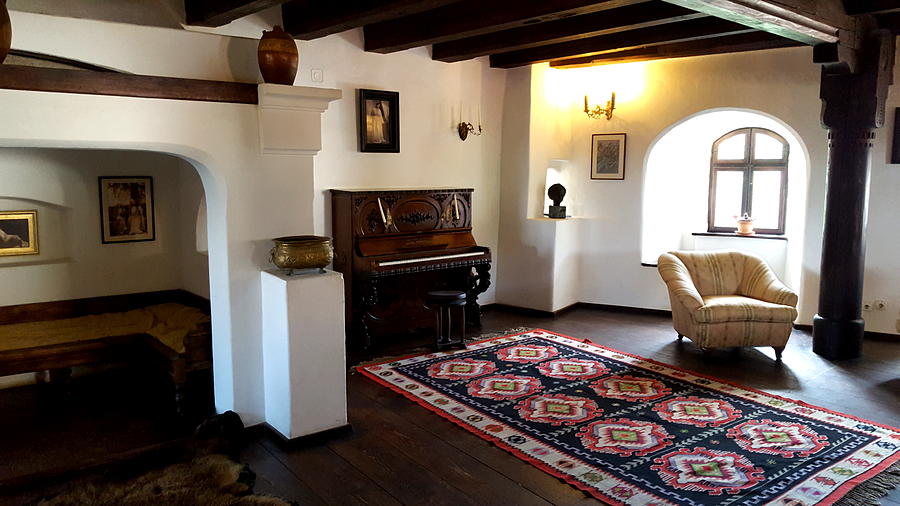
(727, 298)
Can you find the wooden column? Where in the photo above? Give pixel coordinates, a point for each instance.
(853, 107)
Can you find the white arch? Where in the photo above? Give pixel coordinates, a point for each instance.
(672, 185)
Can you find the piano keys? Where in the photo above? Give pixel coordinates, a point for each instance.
(393, 246)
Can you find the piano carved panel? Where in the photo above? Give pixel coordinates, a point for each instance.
(393, 246)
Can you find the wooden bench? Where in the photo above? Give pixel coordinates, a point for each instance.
(140, 347)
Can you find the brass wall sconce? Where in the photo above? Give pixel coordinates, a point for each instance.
(465, 129)
(598, 112)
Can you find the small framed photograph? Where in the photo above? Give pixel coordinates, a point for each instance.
(18, 233)
(608, 156)
(126, 209)
(379, 121)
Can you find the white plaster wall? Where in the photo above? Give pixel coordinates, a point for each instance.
(782, 83)
(72, 262)
(431, 153)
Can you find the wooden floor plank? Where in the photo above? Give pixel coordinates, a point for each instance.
(457, 469)
(526, 475)
(405, 479)
(274, 478)
(332, 478)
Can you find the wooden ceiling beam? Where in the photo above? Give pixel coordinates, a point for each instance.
(889, 21)
(809, 21)
(666, 34)
(752, 41)
(857, 7)
(222, 12)
(626, 18)
(312, 19)
(469, 18)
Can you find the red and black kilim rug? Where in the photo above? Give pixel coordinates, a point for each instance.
(629, 430)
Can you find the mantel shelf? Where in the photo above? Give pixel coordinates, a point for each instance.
(21, 77)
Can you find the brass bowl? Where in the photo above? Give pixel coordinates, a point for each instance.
(301, 252)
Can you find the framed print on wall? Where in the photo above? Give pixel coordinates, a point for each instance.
(126, 209)
(379, 121)
(18, 233)
(608, 156)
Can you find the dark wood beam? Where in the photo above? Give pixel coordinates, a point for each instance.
(807, 21)
(575, 28)
(856, 7)
(18, 77)
(222, 12)
(752, 41)
(311, 19)
(469, 18)
(666, 34)
(889, 22)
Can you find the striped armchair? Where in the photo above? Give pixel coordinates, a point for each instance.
(727, 298)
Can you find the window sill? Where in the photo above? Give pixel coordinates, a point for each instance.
(732, 234)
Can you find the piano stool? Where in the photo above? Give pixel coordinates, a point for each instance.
(443, 302)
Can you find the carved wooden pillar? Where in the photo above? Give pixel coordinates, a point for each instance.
(853, 107)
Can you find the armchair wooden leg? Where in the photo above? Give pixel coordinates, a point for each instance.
(778, 351)
(706, 352)
(680, 337)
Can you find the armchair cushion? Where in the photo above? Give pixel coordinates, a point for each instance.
(736, 308)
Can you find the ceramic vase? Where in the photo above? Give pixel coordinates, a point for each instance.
(278, 57)
(5, 31)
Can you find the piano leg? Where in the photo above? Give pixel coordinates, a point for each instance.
(368, 299)
(479, 282)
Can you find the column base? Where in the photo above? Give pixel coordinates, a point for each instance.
(838, 339)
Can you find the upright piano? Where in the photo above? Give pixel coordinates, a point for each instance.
(393, 246)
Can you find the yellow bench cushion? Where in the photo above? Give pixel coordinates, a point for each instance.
(169, 323)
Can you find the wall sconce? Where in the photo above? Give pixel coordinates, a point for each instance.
(598, 112)
(465, 128)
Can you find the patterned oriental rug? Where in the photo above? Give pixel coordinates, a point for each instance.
(629, 430)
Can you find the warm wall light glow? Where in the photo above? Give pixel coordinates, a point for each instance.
(563, 87)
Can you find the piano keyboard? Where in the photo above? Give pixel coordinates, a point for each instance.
(428, 259)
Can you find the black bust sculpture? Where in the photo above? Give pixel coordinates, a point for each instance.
(556, 193)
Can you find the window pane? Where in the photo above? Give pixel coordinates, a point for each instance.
(766, 198)
(729, 190)
(732, 148)
(766, 147)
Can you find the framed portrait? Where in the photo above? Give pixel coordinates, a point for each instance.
(126, 209)
(18, 233)
(379, 121)
(608, 156)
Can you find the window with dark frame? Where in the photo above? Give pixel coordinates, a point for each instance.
(748, 174)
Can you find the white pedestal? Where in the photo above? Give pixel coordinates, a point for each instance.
(305, 364)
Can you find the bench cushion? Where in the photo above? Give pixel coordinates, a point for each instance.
(169, 323)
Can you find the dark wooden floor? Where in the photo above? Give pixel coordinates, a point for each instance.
(400, 453)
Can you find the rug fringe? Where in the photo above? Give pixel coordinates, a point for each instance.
(871, 492)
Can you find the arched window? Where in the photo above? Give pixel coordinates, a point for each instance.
(748, 174)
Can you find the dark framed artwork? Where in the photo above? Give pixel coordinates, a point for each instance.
(895, 145)
(608, 156)
(18, 233)
(126, 209)
(379, 121)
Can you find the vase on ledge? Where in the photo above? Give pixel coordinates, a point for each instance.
(278, 57)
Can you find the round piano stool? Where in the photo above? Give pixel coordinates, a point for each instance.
(445, 303)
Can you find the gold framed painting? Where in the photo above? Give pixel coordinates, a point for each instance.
(126, 209)
(18, 233)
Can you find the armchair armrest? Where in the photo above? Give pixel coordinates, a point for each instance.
(761, 283)
(678, 281)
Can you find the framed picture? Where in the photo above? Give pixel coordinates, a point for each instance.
(18, 233)
(608, 156)
(379, 121)
(126, 209)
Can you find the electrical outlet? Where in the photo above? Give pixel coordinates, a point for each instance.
(879, 305)
(316, 75)
(867, 306)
